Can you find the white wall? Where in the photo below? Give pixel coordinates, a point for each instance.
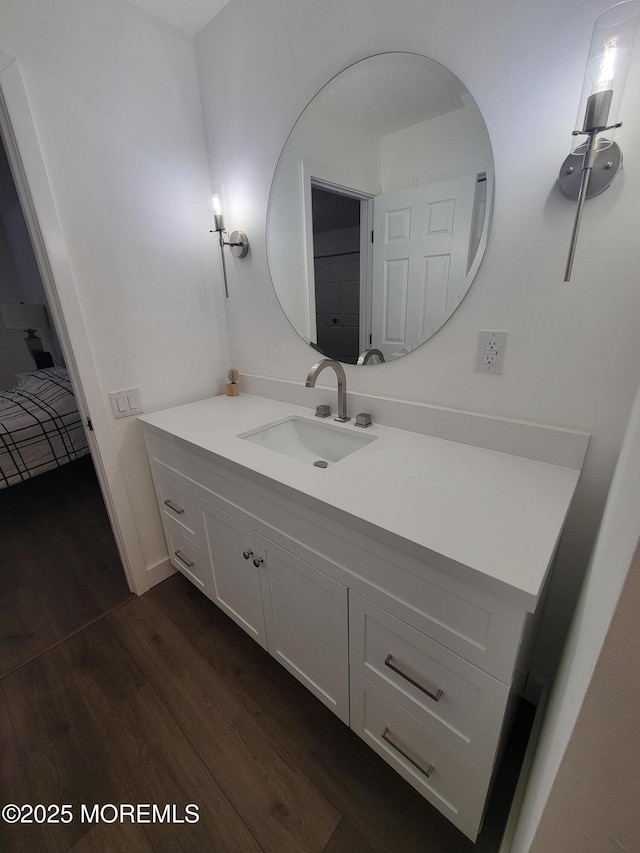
(115, 101)
(456, 142)
(574, 354)
(608, 569)
(593, 806)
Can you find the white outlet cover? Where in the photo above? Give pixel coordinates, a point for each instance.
(491, 349)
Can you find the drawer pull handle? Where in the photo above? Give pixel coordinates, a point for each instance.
(390, 741)
(247, 554)
(435, 696)
(188, 563)
(257, 562)
(177, 509)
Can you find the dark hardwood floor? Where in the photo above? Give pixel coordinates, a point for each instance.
(165, 700)
(59, 567)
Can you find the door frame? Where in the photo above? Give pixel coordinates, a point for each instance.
(310, 178)
(34, 191)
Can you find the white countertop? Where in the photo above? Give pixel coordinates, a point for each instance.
(498, 514)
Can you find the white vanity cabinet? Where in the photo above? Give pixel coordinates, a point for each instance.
(291, 608)
(296, 612)
(419, 665)
(419, 654)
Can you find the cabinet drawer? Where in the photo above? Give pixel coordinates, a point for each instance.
(450, 782)
(460, 702)
(179, 506)
(189, 559)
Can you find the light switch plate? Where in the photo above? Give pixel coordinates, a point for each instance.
(126, 403)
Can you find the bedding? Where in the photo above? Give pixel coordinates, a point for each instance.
(40, 426)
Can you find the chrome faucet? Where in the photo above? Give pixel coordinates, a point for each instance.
(342, 384)
(371, 356)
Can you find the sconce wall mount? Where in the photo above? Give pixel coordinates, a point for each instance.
(606, 165)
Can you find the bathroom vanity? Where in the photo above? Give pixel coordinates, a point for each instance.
(399, 583)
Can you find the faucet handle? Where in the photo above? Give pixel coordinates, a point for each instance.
(363, 420)
(323, 411)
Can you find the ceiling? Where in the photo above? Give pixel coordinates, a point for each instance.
(190, 16)
(391, 92)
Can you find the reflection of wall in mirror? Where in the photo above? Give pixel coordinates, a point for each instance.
(457, 144)
(333, 150)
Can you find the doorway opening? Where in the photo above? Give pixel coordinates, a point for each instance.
(336, 267)
(341, 241)
(59, 563)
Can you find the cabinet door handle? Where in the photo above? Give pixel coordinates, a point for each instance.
(247, 554)
(386, 736)
(257, 562)
(177, 509)
(435, 696)
(188, 563)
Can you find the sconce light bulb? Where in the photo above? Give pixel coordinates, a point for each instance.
(217, 202)
(608, 60)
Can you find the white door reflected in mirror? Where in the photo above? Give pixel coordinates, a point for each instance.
(380, 208)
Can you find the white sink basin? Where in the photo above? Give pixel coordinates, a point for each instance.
(310, 441)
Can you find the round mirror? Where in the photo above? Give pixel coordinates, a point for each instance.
(380, 208)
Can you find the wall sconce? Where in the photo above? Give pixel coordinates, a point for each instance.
(28, 318)
(594, 162)
(237, 242)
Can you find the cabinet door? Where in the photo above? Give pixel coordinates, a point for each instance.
(306, 614)
(236, 578)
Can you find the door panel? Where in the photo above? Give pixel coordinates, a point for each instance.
(420, 258)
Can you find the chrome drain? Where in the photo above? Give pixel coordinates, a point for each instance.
(321, 464)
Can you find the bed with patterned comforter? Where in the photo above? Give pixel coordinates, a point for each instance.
(40, 426)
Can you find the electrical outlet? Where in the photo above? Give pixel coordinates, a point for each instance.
(491, 349)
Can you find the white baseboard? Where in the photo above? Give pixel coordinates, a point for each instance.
(159, 572)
